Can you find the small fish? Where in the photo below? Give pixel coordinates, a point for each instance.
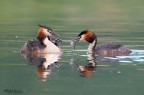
(73, 44)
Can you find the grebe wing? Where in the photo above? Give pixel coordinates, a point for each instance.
(109, 45)
(35, 43)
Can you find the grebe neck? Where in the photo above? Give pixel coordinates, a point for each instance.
(51, 47)
(91, 47)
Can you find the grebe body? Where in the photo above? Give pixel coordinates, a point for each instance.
(112, 49)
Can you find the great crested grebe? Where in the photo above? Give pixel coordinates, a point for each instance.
(46, 42)
(105, 49)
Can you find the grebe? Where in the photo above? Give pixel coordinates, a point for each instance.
(105, 49)
(46, 42)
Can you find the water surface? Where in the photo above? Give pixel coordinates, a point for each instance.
(112, 20)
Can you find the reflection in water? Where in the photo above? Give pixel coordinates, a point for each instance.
(135, 56)
(46, 64)
(88, 69)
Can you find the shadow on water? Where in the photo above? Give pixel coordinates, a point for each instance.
(47, 64)
(135, 56)
(87, 69)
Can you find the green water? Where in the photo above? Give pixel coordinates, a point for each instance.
(120, 21)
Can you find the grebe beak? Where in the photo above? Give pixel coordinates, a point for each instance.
(76, 39)
(73, 42)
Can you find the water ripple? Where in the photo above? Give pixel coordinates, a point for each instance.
(135, 56)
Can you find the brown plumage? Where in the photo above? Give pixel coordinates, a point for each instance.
(41, 34)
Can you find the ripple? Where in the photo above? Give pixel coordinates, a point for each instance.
(135, 56)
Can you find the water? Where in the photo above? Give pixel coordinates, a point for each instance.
(112, 20)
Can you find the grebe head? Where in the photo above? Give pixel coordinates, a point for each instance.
(86, 35)
(44, 32)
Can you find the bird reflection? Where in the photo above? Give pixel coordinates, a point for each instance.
(88, 69)
(47, 64)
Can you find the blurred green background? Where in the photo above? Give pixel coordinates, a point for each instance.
(112, 20)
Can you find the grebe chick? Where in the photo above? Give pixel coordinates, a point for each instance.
(46, 42)
(104, 49)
